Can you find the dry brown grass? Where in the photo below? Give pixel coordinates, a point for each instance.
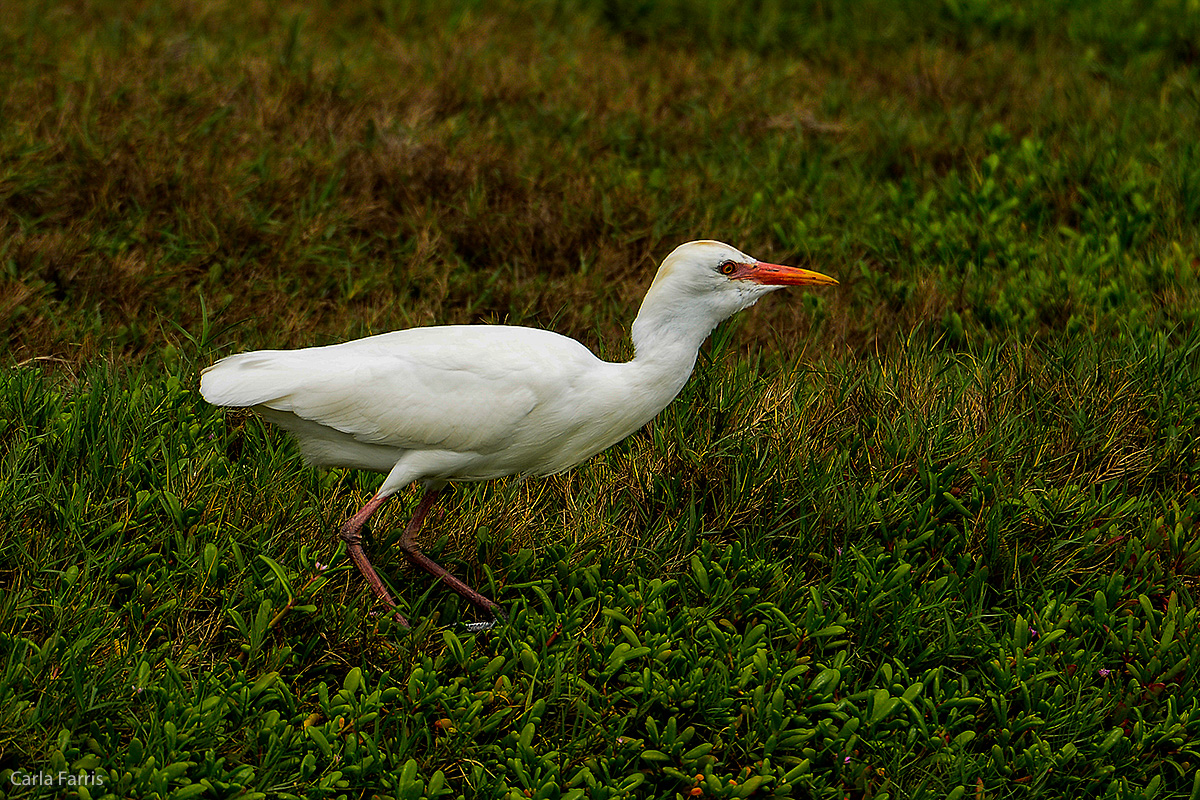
(315, 173)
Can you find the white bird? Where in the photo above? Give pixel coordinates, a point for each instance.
(475, 402)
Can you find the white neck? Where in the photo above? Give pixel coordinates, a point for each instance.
(662, 335)
(665, 344)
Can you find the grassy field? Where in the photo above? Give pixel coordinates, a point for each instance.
(930, 534)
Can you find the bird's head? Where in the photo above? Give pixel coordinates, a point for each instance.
(712, 281)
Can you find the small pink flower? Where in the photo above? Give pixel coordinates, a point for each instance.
(1104, 673)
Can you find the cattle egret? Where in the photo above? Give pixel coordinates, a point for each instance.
(475, 402)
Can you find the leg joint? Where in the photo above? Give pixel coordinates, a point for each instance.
(351, 534)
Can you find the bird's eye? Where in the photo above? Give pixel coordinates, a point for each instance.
(728, 267)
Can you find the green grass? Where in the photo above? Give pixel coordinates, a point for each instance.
(930, 534)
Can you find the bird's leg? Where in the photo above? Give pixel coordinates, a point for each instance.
(352, 535)
(409, 545)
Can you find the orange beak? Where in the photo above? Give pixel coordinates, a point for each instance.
(779, 275)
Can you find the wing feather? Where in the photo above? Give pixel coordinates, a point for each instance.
(462, 388)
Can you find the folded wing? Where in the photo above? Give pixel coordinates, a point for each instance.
(461, 388)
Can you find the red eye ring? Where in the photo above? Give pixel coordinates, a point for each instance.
(728, 267)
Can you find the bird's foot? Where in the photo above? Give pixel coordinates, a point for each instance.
(501, 617)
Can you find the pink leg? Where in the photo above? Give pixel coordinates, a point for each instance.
(352, 535)
(409, 545)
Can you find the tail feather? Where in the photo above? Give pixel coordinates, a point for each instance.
(251, 379)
